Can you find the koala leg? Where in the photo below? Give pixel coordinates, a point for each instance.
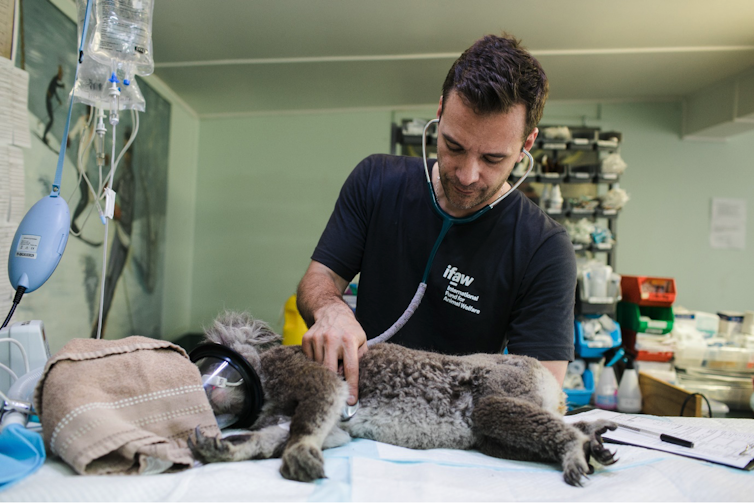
(261, 444)
(336, 438)
(513, 428)
(314, 419)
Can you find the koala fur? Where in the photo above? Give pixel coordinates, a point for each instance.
(505, 406)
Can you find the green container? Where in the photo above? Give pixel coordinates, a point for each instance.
(660, 318)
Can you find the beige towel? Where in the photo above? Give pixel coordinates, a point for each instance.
(122, 406)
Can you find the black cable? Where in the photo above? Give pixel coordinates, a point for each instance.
(16, 300)
(683, 406)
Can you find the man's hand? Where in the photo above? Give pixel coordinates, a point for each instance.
(334, 334)
(337, 336)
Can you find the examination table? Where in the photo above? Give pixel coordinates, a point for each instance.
(364, 470)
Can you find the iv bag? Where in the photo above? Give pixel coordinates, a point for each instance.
(121, 30)
(93, 83)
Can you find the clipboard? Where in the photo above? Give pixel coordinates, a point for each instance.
(726, 447)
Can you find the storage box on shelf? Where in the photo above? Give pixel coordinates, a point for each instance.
(653, 347)
(590, 349)
(649, 320)
(648, 291)
(582, 173)
(646, 308)
(594, 302)
(645, 319)
(550, 173)
(581, 397)
(585, 306)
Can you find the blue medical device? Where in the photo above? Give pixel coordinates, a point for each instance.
(41, 237)
(39, 243)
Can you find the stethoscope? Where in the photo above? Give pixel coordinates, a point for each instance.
(448, 221)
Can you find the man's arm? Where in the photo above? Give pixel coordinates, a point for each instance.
(334, 334)
(558, 369)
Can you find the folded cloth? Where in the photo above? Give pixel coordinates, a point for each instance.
(22, 452)
(122, 406)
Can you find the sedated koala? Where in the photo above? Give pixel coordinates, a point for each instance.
(505, 406)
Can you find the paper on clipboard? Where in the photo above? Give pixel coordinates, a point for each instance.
(719, 446)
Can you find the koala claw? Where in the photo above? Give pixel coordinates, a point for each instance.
(573, 475)
(207, 449)
(594, 447)
(575, 464)
(303, 463)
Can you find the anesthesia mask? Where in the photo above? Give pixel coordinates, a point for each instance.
(231, 384)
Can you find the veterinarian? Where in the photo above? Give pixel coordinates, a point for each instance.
(507, 279)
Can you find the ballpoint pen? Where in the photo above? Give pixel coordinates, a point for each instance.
(662, 436)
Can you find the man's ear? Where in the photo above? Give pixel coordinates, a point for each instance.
(439, 108)
(529, 143)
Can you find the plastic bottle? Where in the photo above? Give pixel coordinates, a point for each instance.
(606, 394)
(629, 393)
(544, 198)
(556, 199)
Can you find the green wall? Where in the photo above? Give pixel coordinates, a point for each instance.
(266, 186)
(180, 215)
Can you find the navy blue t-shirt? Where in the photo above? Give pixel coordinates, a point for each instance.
(507, 278)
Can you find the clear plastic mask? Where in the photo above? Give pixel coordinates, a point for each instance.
(231, 384)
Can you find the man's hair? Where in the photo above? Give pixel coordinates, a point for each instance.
(495, 74)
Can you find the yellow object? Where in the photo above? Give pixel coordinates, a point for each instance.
(294, 326)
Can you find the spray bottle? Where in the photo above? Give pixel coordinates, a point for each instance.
(606, 393)
(556, 199)
(629, 393)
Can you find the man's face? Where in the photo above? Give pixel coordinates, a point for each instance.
(476, 153)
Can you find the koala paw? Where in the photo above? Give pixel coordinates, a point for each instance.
(209, 449)
(303, 462)
(594, 447)
(575, 465)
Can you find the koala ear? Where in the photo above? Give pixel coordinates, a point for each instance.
(232, 329)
